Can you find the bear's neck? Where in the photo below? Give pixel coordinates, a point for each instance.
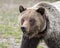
(44, 27)
(44, 30)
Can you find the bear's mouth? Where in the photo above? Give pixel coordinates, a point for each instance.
(28, 34)
(31, 34)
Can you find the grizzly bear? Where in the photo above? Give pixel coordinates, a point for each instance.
(42, 21)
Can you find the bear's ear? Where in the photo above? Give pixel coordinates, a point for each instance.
(41, 10)
(21, 8)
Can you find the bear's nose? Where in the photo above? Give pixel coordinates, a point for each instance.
(23, 29)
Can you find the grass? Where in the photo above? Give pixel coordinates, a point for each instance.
(39, 47)
(9, 26)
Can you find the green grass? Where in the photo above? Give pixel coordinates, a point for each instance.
(9, 26)
(39, 47)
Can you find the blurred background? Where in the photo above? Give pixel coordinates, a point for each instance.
(10, 33)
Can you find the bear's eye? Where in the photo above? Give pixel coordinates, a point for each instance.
(22, 21)
(32, 22)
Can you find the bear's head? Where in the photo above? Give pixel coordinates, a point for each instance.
(32, 21)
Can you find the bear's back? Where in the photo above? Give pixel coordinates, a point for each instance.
(52, 36)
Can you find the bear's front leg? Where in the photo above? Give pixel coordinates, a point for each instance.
(29, 43)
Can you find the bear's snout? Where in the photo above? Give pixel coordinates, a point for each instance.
(23, 29)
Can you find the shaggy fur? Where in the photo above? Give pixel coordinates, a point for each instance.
(29, 43)
(47, 26)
